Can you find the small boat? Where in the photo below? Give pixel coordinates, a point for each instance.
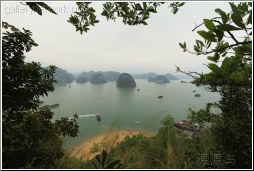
(160, 97)
(54, 106)
(98, 117)
(194, 91)
(138, 89)
(136, 122)
(197, 95)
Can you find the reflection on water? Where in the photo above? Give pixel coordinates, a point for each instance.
(122, 107)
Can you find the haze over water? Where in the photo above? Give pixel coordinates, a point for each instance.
(125, 108)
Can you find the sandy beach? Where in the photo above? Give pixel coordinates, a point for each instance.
(93, 146)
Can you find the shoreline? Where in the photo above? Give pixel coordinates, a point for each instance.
(93, 146)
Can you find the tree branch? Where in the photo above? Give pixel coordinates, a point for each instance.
(203, 23)
(230, 46)
(231, 35)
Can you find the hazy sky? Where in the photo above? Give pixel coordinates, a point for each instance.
(112, 45)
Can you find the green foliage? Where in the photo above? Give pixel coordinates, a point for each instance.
(103, 161)
(175, 6)
(36, 7)
(68, 127)
(83, 18)
(132, 13)
(168, 149)
(203, 115)
(231, 128)
(30, 139)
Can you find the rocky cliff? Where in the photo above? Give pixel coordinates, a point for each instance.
(125, 80)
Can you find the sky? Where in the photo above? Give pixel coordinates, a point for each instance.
(112, 45)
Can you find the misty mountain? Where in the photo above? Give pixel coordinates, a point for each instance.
(107, 75)
(63, 77)
(150, 76)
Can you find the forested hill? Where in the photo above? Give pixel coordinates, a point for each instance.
(63, 77)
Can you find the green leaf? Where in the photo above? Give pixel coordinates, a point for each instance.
(200, 42)
(237, 76)
(196, 49)
(223, 15)
(48, 8)
(214, 68)
(209, 24)
(98, 158)
(225, 67)
(214, 58)
(104, 158)
(181, 4)
(94, 165)
(112, 164)
(33, 6)
(207, 35)
(219, 34)
(237, 19)
(249, 20)
(234, 8)
(227, 27)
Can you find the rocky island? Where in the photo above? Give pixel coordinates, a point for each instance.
(97, 78)
(158, 79)
(81, 80)
(125, 80)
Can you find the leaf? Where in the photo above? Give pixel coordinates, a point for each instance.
(223, 15)
(237, 19)
(48, 8)
(234, 8)
(104, 158)
(208, 36)
(225, 67)
(214, 68)
(227, 27)
(94, 165)
(249, 20)
(112, 164)
(214, 58)
(196, 49)
(33, 6)
(200, 42)
(209, 24)
(219, 34)
(181, 4)
(98, 158)
(237, 76)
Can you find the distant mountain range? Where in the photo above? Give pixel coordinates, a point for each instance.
(62, 76)
(107, 75)
(153, 75)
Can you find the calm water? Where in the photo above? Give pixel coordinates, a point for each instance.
(120, 108)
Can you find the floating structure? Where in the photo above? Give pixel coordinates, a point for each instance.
(189, 129)
(98, 117)
(197, 95)
(160, 97)
(54, 106)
